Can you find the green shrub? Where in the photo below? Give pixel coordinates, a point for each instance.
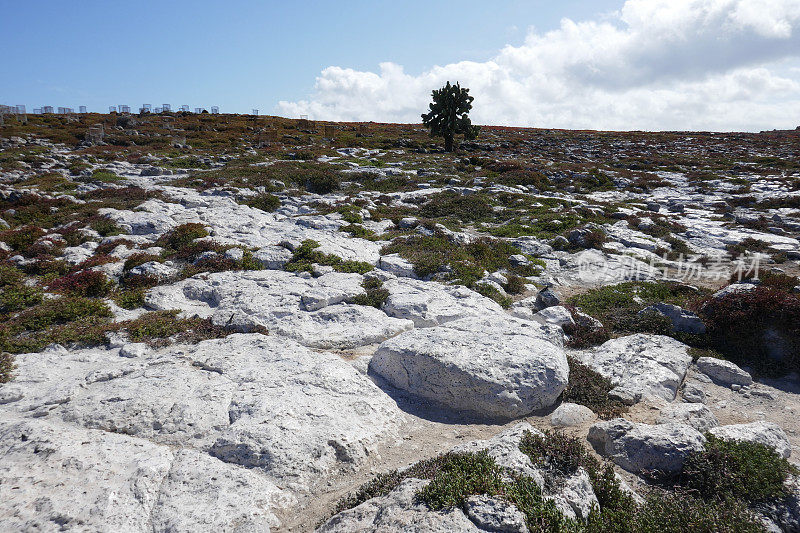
(17, 297)
(6, 367)
(374, 293)
(484, 289)
(129, 298)
(321, 180)
(515, 284)
(182, 236)
(462, 475)
(138, 259)
(306, 255)
(105, 226)
(589, 388)
(734, 469)
(265, 202)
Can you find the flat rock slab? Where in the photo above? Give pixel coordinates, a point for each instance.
(641, 447)
(724, 372)
(311, 311)
(430, 304)
(262, 402)
(647, 366)
(59, 477)
(496, 367)
(232, 223)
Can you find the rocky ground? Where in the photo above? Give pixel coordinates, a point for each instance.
(231, 323)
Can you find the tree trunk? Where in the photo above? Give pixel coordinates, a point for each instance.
(448, 143)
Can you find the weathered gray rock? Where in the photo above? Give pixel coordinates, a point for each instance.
(766, 433)
(785, 513)
(556, 315)
(62, 477)
(693, 394)
(683, 321)
(273, 257)
(396, 265)
(312, 311)
(648, 366)
(496, 367)
(571, 414)
(641, 447)
(723, 372)
(257, 401)
(430, 304)
(696, 415)
(547, 297)
(494, 514)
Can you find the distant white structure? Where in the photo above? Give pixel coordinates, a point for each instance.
(185, 108)
(112, 109)
(124, 109)
(47, 109)
(198, 110)
(145, 108)
(214, 110)
(166, 107)
(81, 109)
(20, 109)
(157, 110)
(255, 112)
(37, 110)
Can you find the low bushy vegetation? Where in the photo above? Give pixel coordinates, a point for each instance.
(590, 388)
(454, 477)
(758, 328)
(306, 255)
(729, 469)
(374, 293)
(618, 307)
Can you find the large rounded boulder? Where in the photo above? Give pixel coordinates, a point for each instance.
(493, 367)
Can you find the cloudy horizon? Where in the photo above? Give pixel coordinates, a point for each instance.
(717, 65)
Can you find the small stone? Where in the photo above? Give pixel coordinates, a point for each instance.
(723, 372)
(571, 414)
(547, 298)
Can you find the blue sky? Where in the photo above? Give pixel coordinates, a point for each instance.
(601, 64)
(240, 55)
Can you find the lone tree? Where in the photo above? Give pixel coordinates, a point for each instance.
(448, 115)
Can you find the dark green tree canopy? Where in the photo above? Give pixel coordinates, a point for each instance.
(448, 114)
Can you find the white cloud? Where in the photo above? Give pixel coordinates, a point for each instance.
(654, 64)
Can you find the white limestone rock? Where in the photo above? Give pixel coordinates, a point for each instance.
(724, 372)
(233, 223)
(259, 401)
(495, 514)
(767, 433)
(273, 257)
(683, 321)
(311, 311)
(696, 415)
(571, 414)
(647, 366)
(430, 304)
(556, 315)
(642, 447)
(396, 265)
(496, 367)
(59, 476)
